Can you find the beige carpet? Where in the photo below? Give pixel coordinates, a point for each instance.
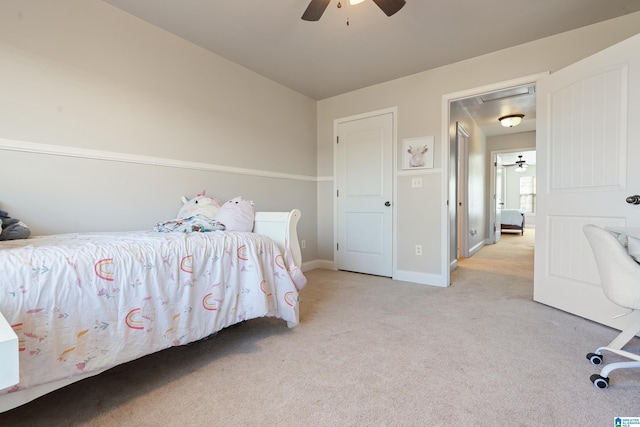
(372, 352)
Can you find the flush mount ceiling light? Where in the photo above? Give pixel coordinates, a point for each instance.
(511, 120)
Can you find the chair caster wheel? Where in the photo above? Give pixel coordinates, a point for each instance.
(595, 359)
(599, 381)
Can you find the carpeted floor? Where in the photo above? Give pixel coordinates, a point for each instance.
(371, 351)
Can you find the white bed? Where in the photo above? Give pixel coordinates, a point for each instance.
(512, 220)
(75, 305)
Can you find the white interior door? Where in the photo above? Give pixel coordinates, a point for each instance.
(462, 137)
(588, 143)
(498, 197)
(364, 195)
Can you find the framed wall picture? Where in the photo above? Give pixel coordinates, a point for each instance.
(417, 153)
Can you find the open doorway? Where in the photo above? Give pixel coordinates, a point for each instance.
(514, 183)
(473, 190)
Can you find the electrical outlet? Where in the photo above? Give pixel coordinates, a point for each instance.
(418, 249)
(303, 244)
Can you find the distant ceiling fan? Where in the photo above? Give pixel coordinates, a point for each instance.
(521, 164)
(317, 7)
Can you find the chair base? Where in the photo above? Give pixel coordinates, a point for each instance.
(602, 380)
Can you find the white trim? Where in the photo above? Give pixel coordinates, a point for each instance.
(323, 264)
(421, 278)
(476, 248)
(113, 156)
(409, 172)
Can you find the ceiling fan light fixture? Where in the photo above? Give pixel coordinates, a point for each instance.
(511, 120)
(521, 165)
(316, 8)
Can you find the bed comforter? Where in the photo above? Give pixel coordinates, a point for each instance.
(82, 303)
(511, 217)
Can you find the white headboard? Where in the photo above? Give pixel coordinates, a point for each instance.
(282, 228)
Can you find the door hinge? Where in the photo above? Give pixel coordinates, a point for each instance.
(337, 193)
(337, 140)
(337, 246)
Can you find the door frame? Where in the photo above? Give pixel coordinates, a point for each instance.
(394, 136)
(446, 126)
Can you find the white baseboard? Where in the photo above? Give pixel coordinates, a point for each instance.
(318, 263)
(421, 278)
(476, 248)
(402, 275)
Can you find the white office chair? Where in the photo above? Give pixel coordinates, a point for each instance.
(620, 277)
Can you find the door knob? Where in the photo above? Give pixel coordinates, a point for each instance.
(387, 204)
(634, 200)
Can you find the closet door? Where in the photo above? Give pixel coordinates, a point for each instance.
(364, 195)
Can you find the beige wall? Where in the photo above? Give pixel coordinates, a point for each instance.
(132, 117)
(419, 100)
(512, 141)
(88, 81)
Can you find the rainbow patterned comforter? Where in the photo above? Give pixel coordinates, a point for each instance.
(82, 303)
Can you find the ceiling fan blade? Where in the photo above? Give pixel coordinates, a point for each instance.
(315, 10)
(390, 6)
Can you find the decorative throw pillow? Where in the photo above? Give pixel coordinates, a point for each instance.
(237, 215)
(199, 205)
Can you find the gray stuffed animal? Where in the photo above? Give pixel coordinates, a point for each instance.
(12, 228)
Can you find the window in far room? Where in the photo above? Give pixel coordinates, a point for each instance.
(528, 194)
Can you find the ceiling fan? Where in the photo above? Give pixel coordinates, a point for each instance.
(520, 162)
(521, 165)
(317, 7)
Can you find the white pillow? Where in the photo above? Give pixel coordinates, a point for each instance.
(199, 205)
(237, 215)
